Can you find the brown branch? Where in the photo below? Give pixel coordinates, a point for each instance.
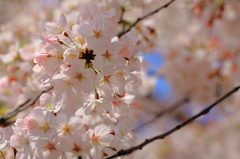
(4, 118)
(166, 111)
(162, 136)
(121, 21)
(121, 16)
(144, 17)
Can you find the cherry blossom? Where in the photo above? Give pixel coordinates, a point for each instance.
(99, 136)
(81, 78)
(3, 140)
(57, 28)
(21, 142)
(97, 30)
(40, 123)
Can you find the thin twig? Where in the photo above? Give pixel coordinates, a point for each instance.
(166, 111)
(144, 17)
(121, 21)
(162, 136)
(17, 109)
(4, 118)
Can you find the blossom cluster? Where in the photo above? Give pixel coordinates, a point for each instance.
(94, 78)
(18, 44)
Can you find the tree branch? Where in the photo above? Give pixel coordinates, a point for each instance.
(166, 111)
(162, 136)
(144, 17)
(4, 118)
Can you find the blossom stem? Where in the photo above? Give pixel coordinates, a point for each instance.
(72, 42)
(75, 45)
(95, 91)
(96, 70)
(89, 66)
(62, 43)
(66, 45)
(2, 155)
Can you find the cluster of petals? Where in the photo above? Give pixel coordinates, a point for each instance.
(93, 74)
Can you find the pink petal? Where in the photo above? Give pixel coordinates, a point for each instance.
(86, 30)
(102, 129)
(63, 20)
(61, 120)
(98, 23)
(99, 47)
(115, 47)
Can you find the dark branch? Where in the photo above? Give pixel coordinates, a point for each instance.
(121, 21)
(144, 17)
(166, 111)
(162, 136)
(25, 105)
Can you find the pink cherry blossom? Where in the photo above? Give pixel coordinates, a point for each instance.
(81, 78)
(107, 55)
(97, 30)
(123, 131)
(65, 128)
(3, 140)
(99, 138)
(47, 149)
(94, 9)
(50, 102)
(57, 28)
(21, 142)
(51, 59)
(40, 123)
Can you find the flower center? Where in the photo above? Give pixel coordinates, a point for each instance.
(44, 127)
(107, 56)
(95, 139)
(50, 147)
(97, 34)
(79, 76)
(66, 130)
(77, 148)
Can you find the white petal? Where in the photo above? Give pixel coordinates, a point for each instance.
(105, 139)
(98, 23)
(86, 86)
(117, 80)
(109, 31)
(63, 20)
(111, 12)
(115, 47)
(86, 30)
(45, 99)
(102, 130)
(95, 152)
(99, 47)
(61, 120)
